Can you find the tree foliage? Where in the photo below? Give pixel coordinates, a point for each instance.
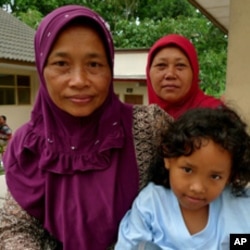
(159, 9)
(139, 23)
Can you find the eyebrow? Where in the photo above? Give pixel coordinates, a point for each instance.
(60, 54)
(190, 165)
(94, 55)
(91, 55)
(176, 59)
(220, 172)
(64, 54)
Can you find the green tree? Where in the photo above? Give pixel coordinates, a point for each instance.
(139, 23)
(160, 9)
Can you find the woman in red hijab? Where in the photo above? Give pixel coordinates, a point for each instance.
(173, 76)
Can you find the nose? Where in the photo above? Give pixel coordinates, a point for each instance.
(170, 72)
(198, 186)
(79, 78)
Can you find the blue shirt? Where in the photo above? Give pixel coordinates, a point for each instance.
(156, 216)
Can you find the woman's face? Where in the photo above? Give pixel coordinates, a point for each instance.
(77, 72)
(171, 74)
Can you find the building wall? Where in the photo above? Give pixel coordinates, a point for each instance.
(130, 63)
(19, 114)
(238, 66)
(130, 66)
(131, 88)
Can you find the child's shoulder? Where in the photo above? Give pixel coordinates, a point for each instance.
(234, 211)
(153, 191)
(237, 201)
(152, 187)
(153, 198)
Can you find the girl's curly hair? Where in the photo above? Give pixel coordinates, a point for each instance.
(185, 135)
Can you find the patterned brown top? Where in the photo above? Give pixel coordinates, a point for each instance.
(20, 231)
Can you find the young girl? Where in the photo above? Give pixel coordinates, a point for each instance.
(198, 195)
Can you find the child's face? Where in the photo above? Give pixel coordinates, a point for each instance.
(199, 178)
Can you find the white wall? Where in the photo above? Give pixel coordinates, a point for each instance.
(130, 63)
(238, 66)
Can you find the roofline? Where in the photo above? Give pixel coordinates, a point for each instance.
(141, 79)
(209, 16)
(16, 62)
(132, 50)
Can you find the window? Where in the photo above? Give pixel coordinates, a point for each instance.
(133, 99)
(15, 89)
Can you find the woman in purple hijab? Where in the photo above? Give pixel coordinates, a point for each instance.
(74, 169)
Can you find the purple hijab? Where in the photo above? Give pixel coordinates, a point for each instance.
(77, 176)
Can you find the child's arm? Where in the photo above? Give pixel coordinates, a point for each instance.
(137, 225)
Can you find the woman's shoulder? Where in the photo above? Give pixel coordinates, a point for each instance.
(151, 114)
(19, 136)
(210, 101)
(149, 122)
(151, 109)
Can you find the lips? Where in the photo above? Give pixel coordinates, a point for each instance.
(193, 199)
(80, 99)
(170, 86)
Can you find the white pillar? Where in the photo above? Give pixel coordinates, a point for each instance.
(238, 64)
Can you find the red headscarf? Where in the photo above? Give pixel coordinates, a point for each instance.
(195, 97)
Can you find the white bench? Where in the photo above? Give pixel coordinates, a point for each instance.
(3, 189)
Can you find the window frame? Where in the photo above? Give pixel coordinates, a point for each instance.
(17, 87)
